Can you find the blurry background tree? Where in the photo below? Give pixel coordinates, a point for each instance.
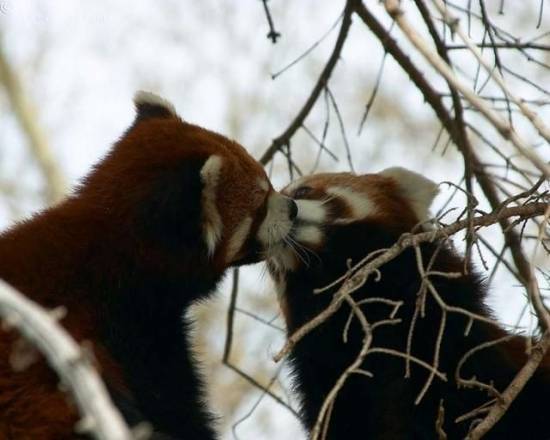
(343, 87)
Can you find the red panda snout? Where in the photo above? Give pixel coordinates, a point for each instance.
(242, 219)
(278, 221)
(256, 234)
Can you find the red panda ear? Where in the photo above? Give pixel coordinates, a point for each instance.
(211, 220)
(148, 105)
(417, 189)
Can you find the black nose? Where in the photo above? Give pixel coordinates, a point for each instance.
(293, 209)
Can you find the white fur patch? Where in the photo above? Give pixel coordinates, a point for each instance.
(212, 222)
(309, 235)
(276, 224)
(311, 211)
(359, 204)
(294, 185)
(143, 97)
(238, 238)
(416, 188)
(264, 186)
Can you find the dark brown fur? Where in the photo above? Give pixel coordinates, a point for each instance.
(383, 407)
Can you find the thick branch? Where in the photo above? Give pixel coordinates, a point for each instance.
(99, 416)
(25, 113)
(507, 132)
(454, 24)
(433, 98)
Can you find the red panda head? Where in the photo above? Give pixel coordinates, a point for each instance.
(396, 198)
(175, 187)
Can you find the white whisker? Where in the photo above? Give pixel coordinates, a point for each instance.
(305, 249)
(296, 252)
(328, 199)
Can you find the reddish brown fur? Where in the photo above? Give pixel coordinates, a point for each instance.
(380, 190)
(57, 257)
(237, 188)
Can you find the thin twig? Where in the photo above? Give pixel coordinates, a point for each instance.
(355, 281)
(231, 316)
(298, 121)
(272, 34)
(507, 132)
(501, 125)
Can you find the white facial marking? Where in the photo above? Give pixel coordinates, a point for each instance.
(294, 185)
(264, 186)
(359, 204)
(309, 235)
(238, 238)
(276, 224)
(143, 97)
(417, 189)
(211, 222)
(311, 211)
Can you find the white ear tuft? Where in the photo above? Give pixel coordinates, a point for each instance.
(211, 220)
(417, 189)
(150, 105)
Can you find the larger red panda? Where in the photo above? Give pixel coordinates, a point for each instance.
(150, 230)
(344, 216)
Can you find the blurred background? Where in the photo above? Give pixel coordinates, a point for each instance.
(68, 71)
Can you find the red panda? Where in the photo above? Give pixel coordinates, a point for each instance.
(150, 230)
(343, 217)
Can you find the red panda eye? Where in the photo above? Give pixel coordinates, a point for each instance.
(301, 192)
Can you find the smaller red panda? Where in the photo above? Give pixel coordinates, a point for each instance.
(149, 231)
(343, 216)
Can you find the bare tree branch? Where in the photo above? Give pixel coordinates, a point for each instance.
(27, 117)
(433, 98)
(507, 397)
(507, 132)
(284, 138)
(454, 25)
(360, 272)
(272, 34)
(492, 182)
(100, 418)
